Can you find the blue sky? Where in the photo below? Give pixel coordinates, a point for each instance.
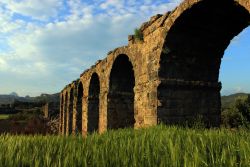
(235, 66)
(46, 44)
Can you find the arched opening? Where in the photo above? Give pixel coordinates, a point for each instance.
(234, 71)
(234, 75)
(65, 113)
(93, 104)
(79, 108)
(121, 94)
(71, 110)
(191, 58)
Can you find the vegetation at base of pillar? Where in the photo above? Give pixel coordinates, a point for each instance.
(238, 114)
(138, 34)
(155, 146)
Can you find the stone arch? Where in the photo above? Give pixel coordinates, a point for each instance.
(65, 113)
(120, 112)
(197, 39)
(191, 58)
(93, 104)
(70, 111)
(79, 107)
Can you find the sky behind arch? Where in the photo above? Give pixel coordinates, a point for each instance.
(46, 44)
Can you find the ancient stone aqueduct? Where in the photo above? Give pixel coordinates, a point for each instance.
(168, 77)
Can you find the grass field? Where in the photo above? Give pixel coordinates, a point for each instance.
(156, 146)
(4, 116)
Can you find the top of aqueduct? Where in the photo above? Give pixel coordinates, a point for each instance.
(163, 20)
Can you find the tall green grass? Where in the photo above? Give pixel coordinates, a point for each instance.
(155, 146)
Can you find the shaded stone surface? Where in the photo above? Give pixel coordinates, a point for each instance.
(78, 128)
(121, 94)
(93, 104)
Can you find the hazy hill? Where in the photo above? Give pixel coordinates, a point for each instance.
(48, 97)
(226, 101)
(6, 99)
(9, 99)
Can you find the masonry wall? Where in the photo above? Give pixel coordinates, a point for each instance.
(162, 91)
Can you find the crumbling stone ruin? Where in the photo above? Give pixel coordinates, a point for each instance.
(168, 77)
(50, 110)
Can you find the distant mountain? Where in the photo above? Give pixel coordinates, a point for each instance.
(227, 101)
(9, 99)
(48, 97)
(14, 94)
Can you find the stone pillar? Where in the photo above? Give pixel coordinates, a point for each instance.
(74, 115)
(60, 116)
(46, 110)
(103, 105)
(84, 115)
(146, 105)
(62, 132)
(64, 116)
(67, 115)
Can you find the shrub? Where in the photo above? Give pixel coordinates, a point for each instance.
(36, 125)
(232, 118)
(243, 105)
(238, 115)
(138, 34)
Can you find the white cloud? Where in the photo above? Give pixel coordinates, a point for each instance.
(51, 55)
(238, 89)
(37, 9)
(118, 4)
(79, 10)
(6, 24)
(3, 65)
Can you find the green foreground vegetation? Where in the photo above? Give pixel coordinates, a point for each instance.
(155, 146)
(237, 114)
(4, 116)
